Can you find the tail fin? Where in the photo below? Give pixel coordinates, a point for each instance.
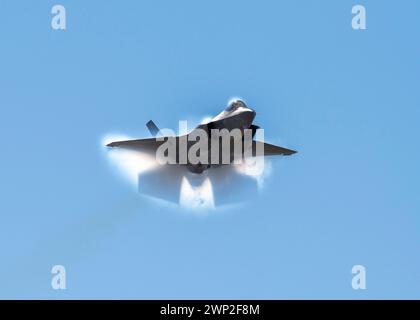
(152, 128)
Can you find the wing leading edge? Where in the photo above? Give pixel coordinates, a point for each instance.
(270, 149)
(150, 144)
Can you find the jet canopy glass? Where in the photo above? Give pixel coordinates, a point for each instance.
(234, 105)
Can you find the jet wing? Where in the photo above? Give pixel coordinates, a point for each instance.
(150, 144)
(269, 149)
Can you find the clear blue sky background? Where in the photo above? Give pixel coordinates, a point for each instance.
(347, 100)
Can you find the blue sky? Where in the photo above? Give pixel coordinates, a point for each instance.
(347, 100)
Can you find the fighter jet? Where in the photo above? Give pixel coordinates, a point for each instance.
(237, 116)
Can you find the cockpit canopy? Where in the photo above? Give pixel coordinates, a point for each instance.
(235, 104)
(235, 107)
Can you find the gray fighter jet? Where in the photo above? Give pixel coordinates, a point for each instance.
(236, 116)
